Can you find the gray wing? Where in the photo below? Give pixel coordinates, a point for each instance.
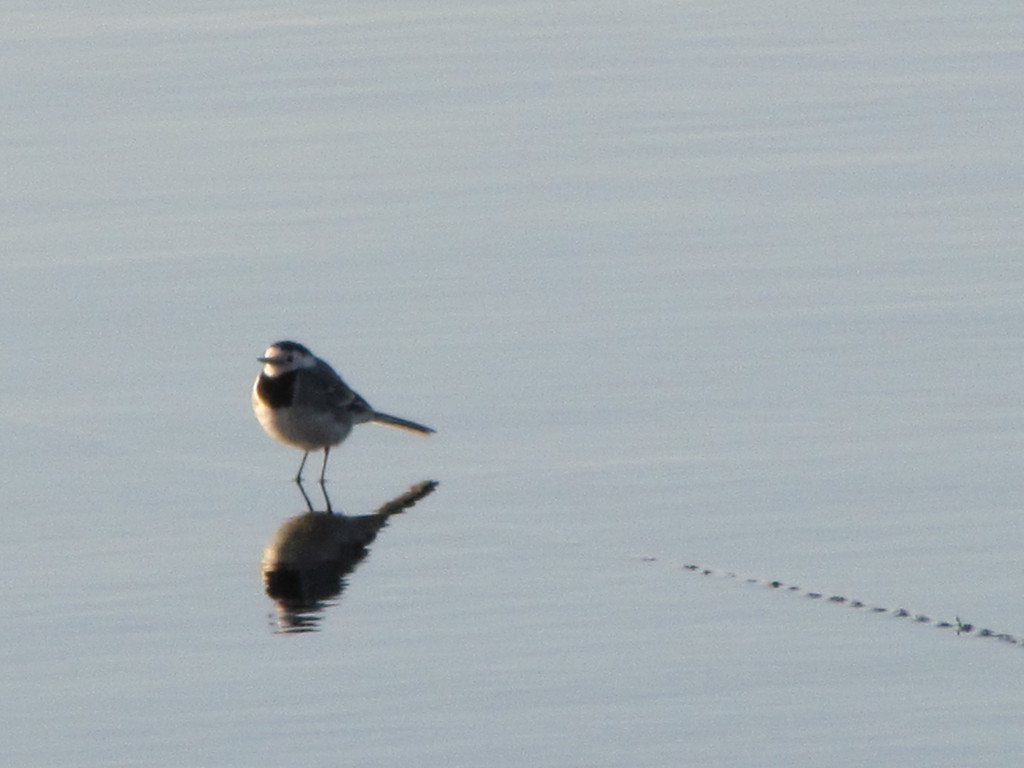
(321, 387)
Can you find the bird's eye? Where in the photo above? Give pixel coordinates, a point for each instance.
(290, 359)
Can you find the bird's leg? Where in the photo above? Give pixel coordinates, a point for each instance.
(323, 486)
(298, 475)
(323, 469)
(302, 490)
(327, 500)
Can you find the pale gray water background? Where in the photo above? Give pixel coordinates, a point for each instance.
(735, 284)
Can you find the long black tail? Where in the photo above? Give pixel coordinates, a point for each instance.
(394, 421)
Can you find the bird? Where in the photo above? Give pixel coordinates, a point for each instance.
(300, 401)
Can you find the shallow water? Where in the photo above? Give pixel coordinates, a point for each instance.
(679, 285)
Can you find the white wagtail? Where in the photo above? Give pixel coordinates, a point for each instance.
(301, 401)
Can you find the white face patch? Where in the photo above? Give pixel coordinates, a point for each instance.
(278, 361)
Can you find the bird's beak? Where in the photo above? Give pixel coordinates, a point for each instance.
(267, 360)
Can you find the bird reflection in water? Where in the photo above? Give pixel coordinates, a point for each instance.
(305, 565)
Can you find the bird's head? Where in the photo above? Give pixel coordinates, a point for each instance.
(284, 357)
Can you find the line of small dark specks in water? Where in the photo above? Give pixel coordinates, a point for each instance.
(961, 627)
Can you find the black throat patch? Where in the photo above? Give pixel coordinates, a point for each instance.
(277, 392)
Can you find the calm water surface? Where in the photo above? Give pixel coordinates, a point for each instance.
(734, 286)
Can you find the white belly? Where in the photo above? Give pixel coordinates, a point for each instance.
(301, 427)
